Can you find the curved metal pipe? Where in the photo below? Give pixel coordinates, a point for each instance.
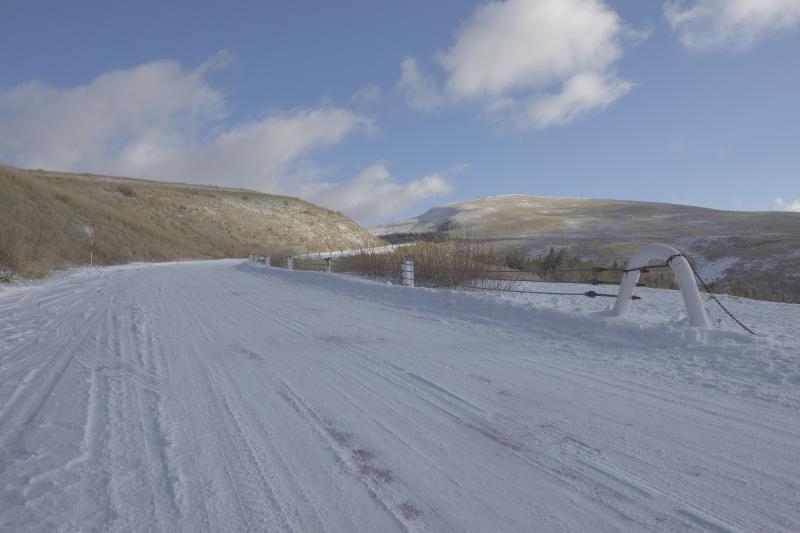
(683, 272)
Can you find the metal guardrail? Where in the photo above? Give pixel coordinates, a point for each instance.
(357, 251)
(639, 263)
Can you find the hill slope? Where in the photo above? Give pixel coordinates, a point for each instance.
(45, 219)
(745, 251)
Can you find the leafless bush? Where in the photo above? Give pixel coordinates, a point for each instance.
(461, 261)
(371, 265)
(313, 265)
(126, 190)
(277, 254)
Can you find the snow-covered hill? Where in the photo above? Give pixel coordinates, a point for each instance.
(757, 251)
(221, 396)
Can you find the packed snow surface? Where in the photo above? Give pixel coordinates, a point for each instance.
(221, 396)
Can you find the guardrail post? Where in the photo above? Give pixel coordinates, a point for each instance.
(290, 263)
(407, 272)
(327, 265)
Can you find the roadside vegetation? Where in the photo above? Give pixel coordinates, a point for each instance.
(458, 258)
(46, 219)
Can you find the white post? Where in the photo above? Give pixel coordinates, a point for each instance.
(327, 265)
(683, 271)
(407, 272)
(290, 263)
(91, 245)
(267, 261)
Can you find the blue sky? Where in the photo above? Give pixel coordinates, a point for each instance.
(383, 109)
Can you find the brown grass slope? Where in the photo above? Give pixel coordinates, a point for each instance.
(760, 249)
(44, 220)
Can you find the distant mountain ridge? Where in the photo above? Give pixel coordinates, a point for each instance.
(734, 249)
(45, 218)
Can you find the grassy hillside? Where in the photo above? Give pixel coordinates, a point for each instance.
(748, 253)
(45, 218)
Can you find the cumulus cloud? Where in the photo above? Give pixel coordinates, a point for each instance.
(162, 121)
(367, 95)
(142, 114)
(419, 90)
(782, 205)
(531, 63)
(735, 24)
(580, 94)
(374, 194)
(261, 154)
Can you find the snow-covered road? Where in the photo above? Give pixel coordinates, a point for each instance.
(221, 396)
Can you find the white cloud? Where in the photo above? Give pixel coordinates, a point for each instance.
(531, 63)
(782, 205)
(736, 24)
(521, 44)
(419, 90)
(580, 94)
(156, 105)
(161, 121)
(261, 154)
(374, 194)
(367, 95)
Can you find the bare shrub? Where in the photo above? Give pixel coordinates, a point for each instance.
(277, 253)
(313, 265)
(126, 190)
(371, 265)
(460, 261)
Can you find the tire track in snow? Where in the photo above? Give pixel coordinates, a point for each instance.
(356, 460)
(558, 372)
(154, 439)
(474, 420)
(31, 394)
(362, 458)
(22, 415)
(440, 398)
(252, 419)
(183, 454)
(234, 436)
(493, 434)
(651, 486)
(446, 402)
(202, 405)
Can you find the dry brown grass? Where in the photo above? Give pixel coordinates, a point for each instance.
(461, 261)
(609, 230)
(314, 265)
(379, 266)
(466, 261)
(44, 218)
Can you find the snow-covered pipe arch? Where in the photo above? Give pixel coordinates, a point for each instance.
(683, 273)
